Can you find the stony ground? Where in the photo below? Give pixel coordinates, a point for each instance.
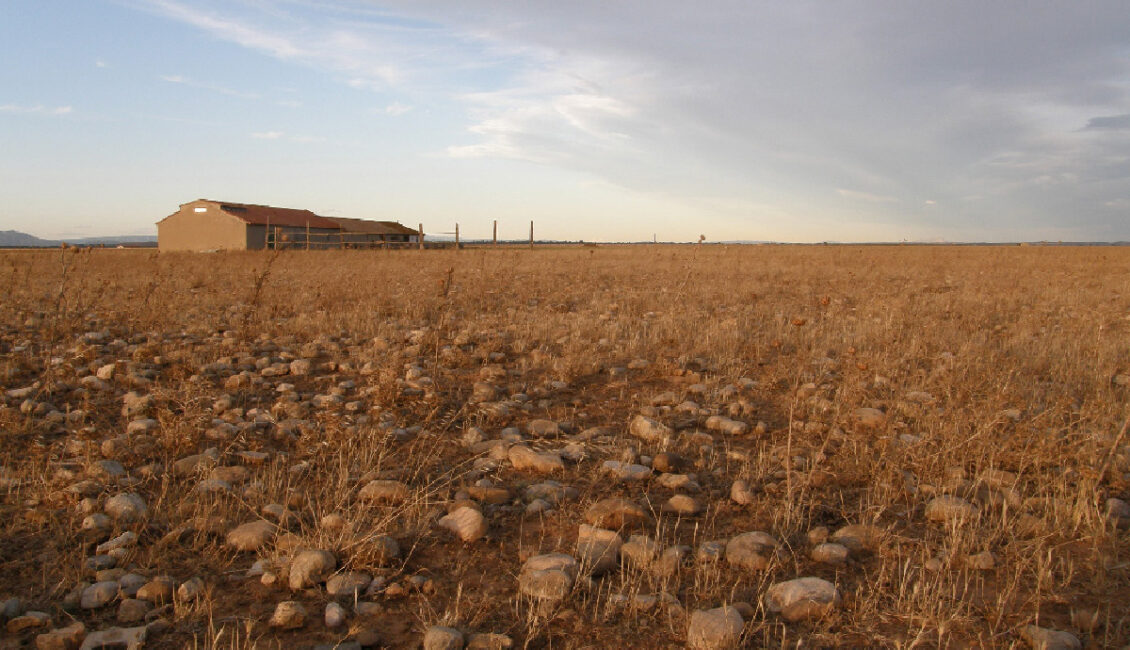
(664, 446)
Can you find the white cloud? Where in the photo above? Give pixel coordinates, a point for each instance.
(396, 108)
(38, 109)
(268, 135)
(99, 63)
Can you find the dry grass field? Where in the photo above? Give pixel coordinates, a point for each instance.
(567, 448)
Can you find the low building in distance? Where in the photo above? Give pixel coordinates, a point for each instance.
(205, 225)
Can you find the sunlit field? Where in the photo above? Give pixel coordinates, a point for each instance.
(567, 447)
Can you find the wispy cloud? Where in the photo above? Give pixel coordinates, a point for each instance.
(268, 135)
(180, 79)
(99, 63)
(396, 108)
(1109, 122)
(856, 195)
(38, 109)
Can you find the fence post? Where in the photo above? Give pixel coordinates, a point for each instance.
(456, 236)
(307, 235)
(420, 237)
(531, 235)
(494, 238)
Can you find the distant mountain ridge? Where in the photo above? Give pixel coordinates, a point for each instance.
(17, 239)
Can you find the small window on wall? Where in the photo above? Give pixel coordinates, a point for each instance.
(201, 209)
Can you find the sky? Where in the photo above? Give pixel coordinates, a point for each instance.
(807, 121)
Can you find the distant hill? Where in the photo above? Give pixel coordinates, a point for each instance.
(17, 239)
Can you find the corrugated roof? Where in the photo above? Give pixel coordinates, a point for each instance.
(372, 227)
(260, 215)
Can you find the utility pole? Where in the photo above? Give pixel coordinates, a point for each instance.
(456, 236)
(420, 237)
(531, 235)
(494, 239)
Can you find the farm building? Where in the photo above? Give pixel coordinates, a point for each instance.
(204, 225)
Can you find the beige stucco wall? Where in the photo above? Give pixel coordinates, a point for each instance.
(188, 230)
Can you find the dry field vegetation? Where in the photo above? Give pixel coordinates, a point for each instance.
(566, 448)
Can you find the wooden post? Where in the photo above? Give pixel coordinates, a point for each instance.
(276, 237)
(456, 236)
(307, 235)
(267, 234)
(494, 239)
(420, 237)
(531, 235)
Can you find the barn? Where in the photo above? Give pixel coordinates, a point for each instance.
(205, 225)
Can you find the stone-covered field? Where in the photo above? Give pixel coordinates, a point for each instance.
(576, 447)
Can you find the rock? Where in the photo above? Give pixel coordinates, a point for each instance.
(488, 641)
(543, 428)
(66, 638)
(289, 615)
(385, 549)
(348, 585)
(442, 638)
(751, 551)
(726, 425)
(335, 615)
(158, 590)
(130, 638)
(682, 504)
(384, 492)
(28, 621)
(640, 552)
(548, 577)
(598, 550)
(615, 513)
(1042, 638)
(949, 509)
(489, 495)
(869, 418)
(626, 471)
(1118, 511)
(99, 594)
(191, 465)
(715, 629)
(190, 589)
(668, 462)
(740, 493)
(802, 598)
(828, 553)
(251, 536)
(308, 568)
(132, 610)
(466, 522)
(859, 537)
(128, 538)
(524, 458)
(126, 507)
(649, 430)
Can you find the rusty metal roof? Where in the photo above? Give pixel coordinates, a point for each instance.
(261, 215)
(372, 227)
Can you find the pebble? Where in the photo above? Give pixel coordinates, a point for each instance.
(131, 638)
(335, 615)
(289, 615)
(615, 513)
(438, 637)
(548, 577)
(740, 493)
(751, 551)
(310, 567)
(99, 594)
(869, 418)
(715, 629)
(132, 610)
(649, 430)
(158, 590)
(190, 589)
(682, 504)
(524, 458)
(28, 621)
(598, 550)
(126, 507)
(348, 585)
(251, 536)
(1042, 638)
(467, 523)
(830, 553)
(949, 509)
(64, 638)
(802, 598)
(859, 537)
